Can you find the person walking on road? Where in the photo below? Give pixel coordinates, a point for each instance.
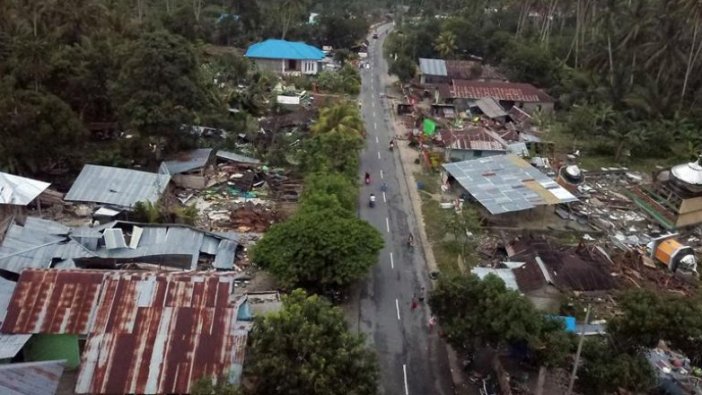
(432, 323)
(414, 302)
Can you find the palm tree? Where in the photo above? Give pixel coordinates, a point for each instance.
(340, 118)
(445, 44)
(289, 10)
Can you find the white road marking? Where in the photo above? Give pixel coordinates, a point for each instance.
(378, 154)
(397, 306)
(373, 104)
(375, 126)
(404, 371)
(373, 114)
(392, 261)
(384, 199)
(376, 138)
(381, 174)
(387, 224)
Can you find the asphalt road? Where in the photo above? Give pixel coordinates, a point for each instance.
(413, 361)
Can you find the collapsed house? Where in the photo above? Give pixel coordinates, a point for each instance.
(133, 331)
(509, 94)
(675, 197)
(42, 244)
(543, 271)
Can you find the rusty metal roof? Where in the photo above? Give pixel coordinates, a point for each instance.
(507, 91)
(147, 332)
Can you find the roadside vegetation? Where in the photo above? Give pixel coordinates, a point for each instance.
(324, 246)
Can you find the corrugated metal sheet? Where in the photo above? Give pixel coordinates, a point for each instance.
(10, 345)
(119, 187)
(234, 157)
(436, 67)
(189, 161)
(114, 239)
(53, 301)
(22, 248)
(7, 287)
(147, 332)
(506, 275)
(226, 252)
(18, 190)
(36, 224)
(507, 183)
(36, 378)
(490, 107)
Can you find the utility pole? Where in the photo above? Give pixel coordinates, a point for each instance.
(577, 353)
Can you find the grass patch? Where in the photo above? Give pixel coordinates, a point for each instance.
(446, 252)
(428, 181)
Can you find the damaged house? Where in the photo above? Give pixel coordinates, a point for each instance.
(133, 331)
(44, 244)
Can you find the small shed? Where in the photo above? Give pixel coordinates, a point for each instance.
(190, 169)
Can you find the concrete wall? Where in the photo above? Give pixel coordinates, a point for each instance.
(458, 155)
(192, 181)
(274, 65)
(688, 219)
(690, 205)
(534, 107)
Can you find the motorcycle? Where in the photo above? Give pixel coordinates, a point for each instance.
(368, 179)
(371, 201)
(392, 145)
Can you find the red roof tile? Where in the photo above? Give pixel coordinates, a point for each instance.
(507, 91)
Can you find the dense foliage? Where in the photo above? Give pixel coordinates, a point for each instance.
(627, 73)
(135, 72)
(306, 349)
(476, 312)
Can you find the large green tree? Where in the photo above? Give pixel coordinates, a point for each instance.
(39, 131)
(343, 189)
(605, 370)
(318, 250)
(647, 318)
(306, 349)
(159, 89)
(475, 312)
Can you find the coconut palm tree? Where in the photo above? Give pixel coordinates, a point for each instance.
(445, 44)
(342, 118)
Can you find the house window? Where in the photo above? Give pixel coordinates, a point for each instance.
(292, 64)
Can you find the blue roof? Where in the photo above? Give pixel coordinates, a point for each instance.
(281, 49)
(567, 320)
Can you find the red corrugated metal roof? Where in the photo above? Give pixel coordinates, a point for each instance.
(147, 332)
(507, 91)
(53, 301)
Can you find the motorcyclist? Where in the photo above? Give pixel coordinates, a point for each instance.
(371, 201)
(368, 179)
(410, 240)
(392, 144)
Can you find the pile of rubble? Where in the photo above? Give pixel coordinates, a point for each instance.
(635, 268)
(605, 207)
(251, 217)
